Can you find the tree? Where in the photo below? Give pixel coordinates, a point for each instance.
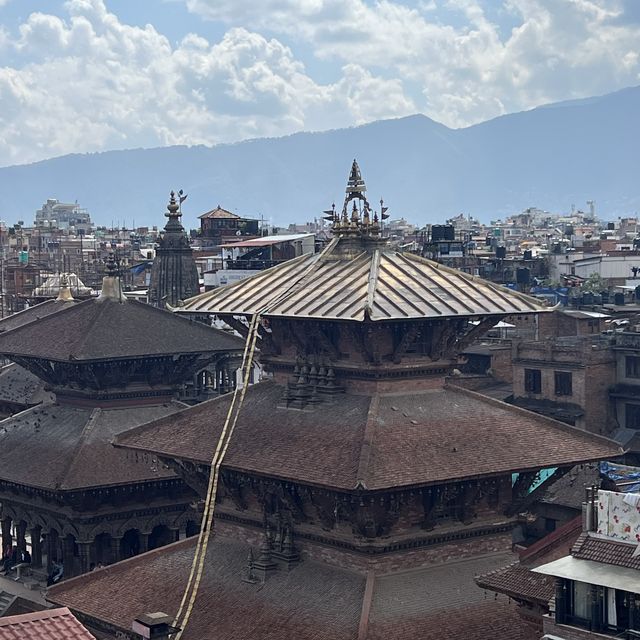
(595, 283)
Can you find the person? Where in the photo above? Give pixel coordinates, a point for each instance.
(57, 571)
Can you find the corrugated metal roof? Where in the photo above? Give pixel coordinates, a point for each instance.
(378, 283)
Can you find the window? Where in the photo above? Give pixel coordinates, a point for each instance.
(632, 366)
(532, 381)
(632, 416)
(581, 600)
(563, 383)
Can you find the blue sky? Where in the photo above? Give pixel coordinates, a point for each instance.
(91, 75)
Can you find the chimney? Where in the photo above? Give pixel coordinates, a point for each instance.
(153, 626)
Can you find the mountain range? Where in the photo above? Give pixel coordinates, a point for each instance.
(550, 157)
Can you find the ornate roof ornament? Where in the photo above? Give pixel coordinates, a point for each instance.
(360, 220)
(111, 284)
(64, 295)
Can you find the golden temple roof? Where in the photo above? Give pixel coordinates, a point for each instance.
(381, 284)
(359, 276)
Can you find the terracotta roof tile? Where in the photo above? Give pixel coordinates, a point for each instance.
(313, 601)
(310, 602)
(51, 624)
(607, 551)
(37, 312)
(62, 447)
(94, 330)
(519, 582)
(417, 439)
(20, 386)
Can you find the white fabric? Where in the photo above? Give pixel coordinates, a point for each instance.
(612, 617)
(617, 518)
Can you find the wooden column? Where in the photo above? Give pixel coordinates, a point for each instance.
(7, 538)
(84, 553)
(52, 549)
(21, 535)
(115, 549)
(144, 542)
(68, 559)
(36, 547)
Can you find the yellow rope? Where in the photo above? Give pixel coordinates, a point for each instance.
(197, 566)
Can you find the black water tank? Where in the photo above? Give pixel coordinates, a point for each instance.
(528, 255)
(523, 275)
(501, 252)
(611, 226)
(605, 297)
(442, 232)
(618, 298)
(587, 298)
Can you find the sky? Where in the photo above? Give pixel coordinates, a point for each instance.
(94, 75)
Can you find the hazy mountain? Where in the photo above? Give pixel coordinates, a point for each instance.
(551, 157)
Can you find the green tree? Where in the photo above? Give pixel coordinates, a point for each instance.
(595, 283)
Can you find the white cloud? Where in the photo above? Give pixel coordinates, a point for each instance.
(558, 49)
(86, 81)
(90, 82)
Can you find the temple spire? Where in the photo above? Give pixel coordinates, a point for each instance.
(357, 220)
(111, 284)
(174, 276)
(64, 294)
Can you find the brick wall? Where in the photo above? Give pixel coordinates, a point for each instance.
(395, 561)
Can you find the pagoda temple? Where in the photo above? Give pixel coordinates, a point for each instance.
(110, 364)
(174, 276)
(361, 492)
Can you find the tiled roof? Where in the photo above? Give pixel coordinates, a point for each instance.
(31, 314)
(313, 601)
(480, 621)
(420, 438)
(98, 329)
(51, 624)
(20, 386)
(55, 446)
(569, 491)
(218, 213)
(380, 284)
(606, 551)
(519, 582)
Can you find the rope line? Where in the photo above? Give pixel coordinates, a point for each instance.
(197, 566)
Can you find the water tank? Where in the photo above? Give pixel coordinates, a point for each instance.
(605, 297)
(618, 298)
(528, 255)
(501, 252)
(523, 275)
(611, 226)
(442, 232)
(587, 298)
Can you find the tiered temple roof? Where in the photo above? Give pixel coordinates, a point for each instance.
(357, 445)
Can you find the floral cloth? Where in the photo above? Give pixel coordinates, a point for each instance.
(617, 518)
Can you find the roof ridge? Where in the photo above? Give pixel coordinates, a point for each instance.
(93, 417)
(364, 460)
(561, 426)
